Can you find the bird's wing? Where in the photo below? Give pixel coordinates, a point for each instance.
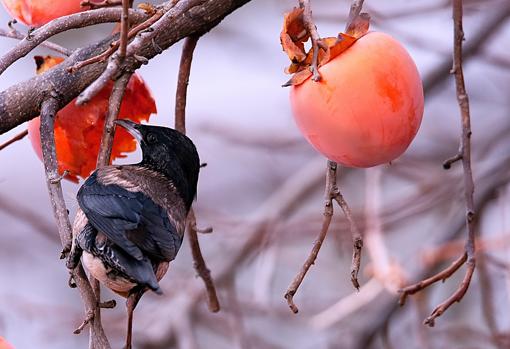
(130, 219)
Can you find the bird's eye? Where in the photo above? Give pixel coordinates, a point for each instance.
(151, 138)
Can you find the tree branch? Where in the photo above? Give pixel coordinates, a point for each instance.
(62, 24)
(314, 36)
(331, 193)
(464, 154)
(49, 109)
(180, 125)
(21, 102)
(14, 139)
(105, 149)
(14, 34)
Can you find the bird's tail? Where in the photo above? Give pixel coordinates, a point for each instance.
(154, 286)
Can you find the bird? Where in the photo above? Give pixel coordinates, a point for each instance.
(131, 218)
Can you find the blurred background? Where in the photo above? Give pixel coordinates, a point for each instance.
(262, 192)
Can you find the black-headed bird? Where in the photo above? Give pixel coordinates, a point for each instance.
(132, 218)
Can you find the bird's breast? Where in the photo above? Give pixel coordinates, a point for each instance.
(105, 275)
(114, 280)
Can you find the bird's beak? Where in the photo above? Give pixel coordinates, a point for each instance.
(131, 127)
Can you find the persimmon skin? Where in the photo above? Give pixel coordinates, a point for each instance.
(39, 12)
(368, 106)
(4, 344)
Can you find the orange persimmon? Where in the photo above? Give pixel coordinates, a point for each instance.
(367, 107)
(4, 344)
(78, 129)
(38, 12)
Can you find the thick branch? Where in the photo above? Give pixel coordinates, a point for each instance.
(62, 24)
(49, 109)
(208, 12)
(21, 102)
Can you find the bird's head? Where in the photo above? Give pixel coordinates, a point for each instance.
(169, 152)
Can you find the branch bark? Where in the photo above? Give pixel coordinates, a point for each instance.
(22, 101)
(49, 109)
(464, 154)
(180, 125)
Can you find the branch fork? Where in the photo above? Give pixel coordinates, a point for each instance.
(464, 154)
(332, 192)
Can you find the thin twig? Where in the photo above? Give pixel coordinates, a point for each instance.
(14, 34)
(14, 139)
(105, 150)
(331, 193)
(180, 125)
(354, 13)
(49, 109)
(85, 322)
(172, 11)
(357, 239)
(314, 36)
(124, 28)
(103, 56)
(464, 154)
(21, 102)
(103, 159)
(62, 24)
(182, 82)
(200, 265)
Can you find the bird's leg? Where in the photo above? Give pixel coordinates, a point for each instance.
(84, 240)
(73, 258)
(131, 302)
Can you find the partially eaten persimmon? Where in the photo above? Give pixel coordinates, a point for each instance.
(78, 129)
(367, 107)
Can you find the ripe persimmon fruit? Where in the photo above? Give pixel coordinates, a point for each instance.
(368, 105)
(79, 129)
(38, 12)
(4, 344)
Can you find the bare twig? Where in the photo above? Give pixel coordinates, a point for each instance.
(180, 125)
(200, 265)
(182, 82)
(103, 159)
(21, 102)
(331, 193)
(464, 154)
(124, 28)
(62, 24)
(354, 13)
(105, 150)
(49, 109)
(103, 56)
(14, 139)
(357, 239)
(171, 11)
(14, 34)
(491, 24)
(314, 36)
